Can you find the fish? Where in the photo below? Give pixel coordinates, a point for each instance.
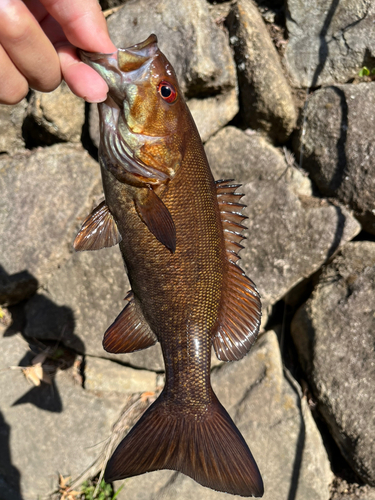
(179, 233)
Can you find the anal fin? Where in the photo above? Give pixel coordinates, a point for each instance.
(240, 312)
(99, 230)
(130, 331)
(157, 218)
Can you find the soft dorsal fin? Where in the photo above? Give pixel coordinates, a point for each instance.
(99, 230)
(240, 313)
(130, 331)
(157, 218)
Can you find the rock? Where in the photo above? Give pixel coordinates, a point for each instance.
(213, 113)
(329, 41)
(290, 232)
(275, 421)
(342, 490)
(80, 301)
(11, 121)
(40, 439)
(334, 335)
(339, 146)
(56, 116)
(210, 114)
(196, 47)
(105, 377)
(266, 99)
(42, 193)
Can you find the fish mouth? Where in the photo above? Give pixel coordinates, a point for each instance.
(124, 66)
(121, 70)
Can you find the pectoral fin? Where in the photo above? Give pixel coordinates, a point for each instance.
(130, 331)
(157, 218)
(99, 230)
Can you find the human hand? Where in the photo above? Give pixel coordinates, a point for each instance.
(37, 47)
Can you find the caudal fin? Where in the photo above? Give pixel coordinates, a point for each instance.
(209, 449)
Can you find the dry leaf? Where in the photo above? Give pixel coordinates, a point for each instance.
(146, 395)
(33, 374)
(65, 491)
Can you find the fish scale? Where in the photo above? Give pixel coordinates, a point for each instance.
(179, 235)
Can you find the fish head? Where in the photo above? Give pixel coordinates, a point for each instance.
(143, 120)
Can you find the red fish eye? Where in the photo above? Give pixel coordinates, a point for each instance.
(167, 92)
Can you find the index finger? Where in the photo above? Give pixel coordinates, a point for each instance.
(83, 23)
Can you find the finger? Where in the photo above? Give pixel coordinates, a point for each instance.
(82, 80)
(28, 47)
(83, 23)
(14, 86)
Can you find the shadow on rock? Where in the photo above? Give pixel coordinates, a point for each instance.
(324, 47)
(341, 169)
(40, 366)
(53, 346)
(337, 238)
(9, 475)
(301, 441)
(16, 287)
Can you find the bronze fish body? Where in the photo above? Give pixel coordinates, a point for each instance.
(179, 234)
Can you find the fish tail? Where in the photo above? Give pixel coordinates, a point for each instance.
(209, 449)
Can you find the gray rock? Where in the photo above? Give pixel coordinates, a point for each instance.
(213, 113)
(339, 146)
(329, 41)
(334, 335)
(266, 99)
(46, 430)
(275, 422)
(80, 301)
(342, 490)
(103, 376)
(196, 47)
(290, 232)
(11, 121)
(56, 116)
(42, 193)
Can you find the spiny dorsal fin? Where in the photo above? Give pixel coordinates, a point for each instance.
(240, 314)
(99, 230)
(231, 216)
(130, 331)
(157, 218)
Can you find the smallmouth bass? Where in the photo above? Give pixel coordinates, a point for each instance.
(179, 233)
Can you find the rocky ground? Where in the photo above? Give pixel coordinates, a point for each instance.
(276, 94)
